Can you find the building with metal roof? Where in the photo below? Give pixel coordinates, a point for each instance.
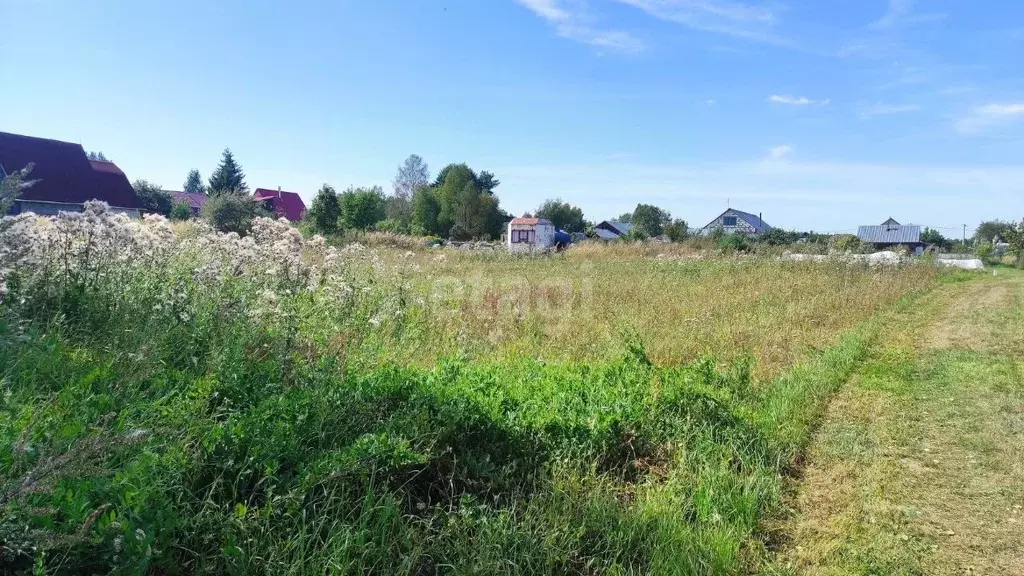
(733, 220)
(63, 177)
(890, 234)
(612, 229)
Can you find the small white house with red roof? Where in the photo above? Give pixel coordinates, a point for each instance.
(530, 235)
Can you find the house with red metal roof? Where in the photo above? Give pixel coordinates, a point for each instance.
(285, 204)
(63, 178)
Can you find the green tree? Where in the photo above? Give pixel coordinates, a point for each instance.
(933, 236)
(361, 208)
(411, 175)
(97, 156)
(469, 213)
(1014, 236)
(194, 183)
(563, 215)
(425, 211)
(11, 187)
(152, 197)
(231, 213)
(486, 182)
(325, 211)
(992, 229)
(626, 218)
(228, 177)
(651, 219)
(181, 211)
(677, 230)
(456, 178)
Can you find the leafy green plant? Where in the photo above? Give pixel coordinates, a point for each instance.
(181, 211)
(735, 242)
(231, 212)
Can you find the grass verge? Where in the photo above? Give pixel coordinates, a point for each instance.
(916, 469)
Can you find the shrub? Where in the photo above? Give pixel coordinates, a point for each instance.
(985, 251)
(152, 198)
(846, 243)
(230, 212)
(181, 211)
(778, 237)
(735, 242)
(391, 226)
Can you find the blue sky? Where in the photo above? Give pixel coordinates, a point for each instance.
(820, 115)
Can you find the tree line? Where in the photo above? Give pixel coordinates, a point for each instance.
(458, 203)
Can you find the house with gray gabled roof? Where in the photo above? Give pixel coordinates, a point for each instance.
(733, 220)
(891, 234)
(612, 229)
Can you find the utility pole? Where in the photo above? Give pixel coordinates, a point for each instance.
(965, 235)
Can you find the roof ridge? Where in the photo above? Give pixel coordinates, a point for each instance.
(41, 139)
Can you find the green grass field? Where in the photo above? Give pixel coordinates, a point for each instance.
(181, 402)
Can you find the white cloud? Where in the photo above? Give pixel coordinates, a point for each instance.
(888, 110)
(989, 116)
(546, 9)
(899, 13)
(795, 100)
(897, 9)
(747, 21)
(779, 152)
(576, 26)
(711, 102)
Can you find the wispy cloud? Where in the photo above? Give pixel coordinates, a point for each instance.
(796, 100)
(711, 102)
(779, 152)
(899, 14)
(747, 21)
(989, 116)
(573, 24)
(888, 110)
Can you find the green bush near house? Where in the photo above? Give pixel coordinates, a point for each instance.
(231, 212)
(181, 211)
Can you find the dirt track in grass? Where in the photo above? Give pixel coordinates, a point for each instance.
(918, 467)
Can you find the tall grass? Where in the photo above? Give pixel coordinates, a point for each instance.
(232, 408)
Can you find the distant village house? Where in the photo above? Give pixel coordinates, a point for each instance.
(732, 221)
(287, 205)
(63, 176)
(612, 229)
(530, 235)
(891, 235)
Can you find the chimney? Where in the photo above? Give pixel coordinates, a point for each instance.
(759, 219)
(278, 191)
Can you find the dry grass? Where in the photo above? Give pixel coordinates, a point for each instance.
(917, 469)
(575, 306)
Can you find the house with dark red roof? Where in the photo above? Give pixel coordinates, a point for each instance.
(285, 204)
(195, 200)
(63, 177)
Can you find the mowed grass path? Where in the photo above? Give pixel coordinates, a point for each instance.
(918, 467)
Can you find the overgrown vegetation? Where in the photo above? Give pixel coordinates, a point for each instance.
(180, 400)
